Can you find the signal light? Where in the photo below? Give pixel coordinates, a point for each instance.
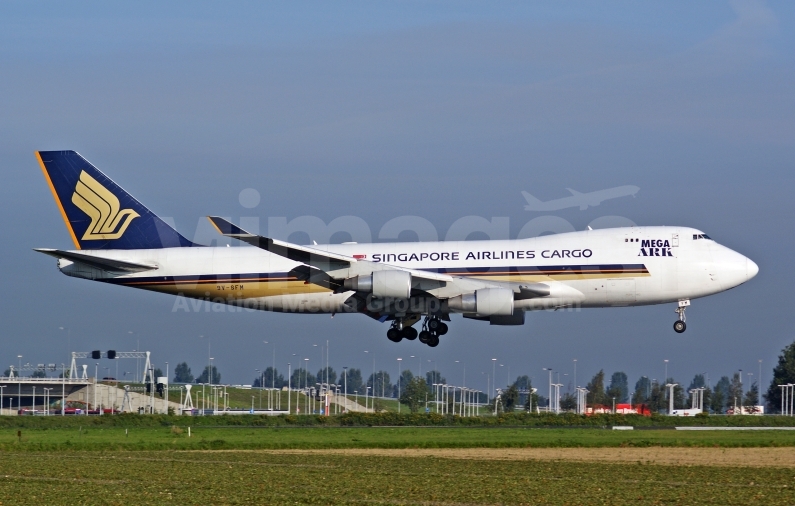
(96, 354)
(111, 354)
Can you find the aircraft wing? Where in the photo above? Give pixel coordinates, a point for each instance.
(325, 261)
(107, 264)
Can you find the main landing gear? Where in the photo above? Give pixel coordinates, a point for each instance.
(398, 332)
(432, 328)
(680, 325)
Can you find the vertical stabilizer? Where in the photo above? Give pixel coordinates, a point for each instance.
(98, 213)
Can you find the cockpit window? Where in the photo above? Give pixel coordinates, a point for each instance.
(701, 236)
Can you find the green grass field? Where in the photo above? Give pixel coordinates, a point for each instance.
(251, 438)
(261, 478)
(151, 460)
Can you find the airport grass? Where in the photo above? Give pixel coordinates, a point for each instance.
(266, 478)
(99, 438)
(391, 419)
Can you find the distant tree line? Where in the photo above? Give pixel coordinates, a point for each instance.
(728, 392)
(183, 374)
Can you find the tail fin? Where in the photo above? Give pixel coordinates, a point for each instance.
(98, 213)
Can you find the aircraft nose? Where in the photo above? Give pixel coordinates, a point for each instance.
(732, 268)
(751, 269)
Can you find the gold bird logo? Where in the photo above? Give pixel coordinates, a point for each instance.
(107, 221)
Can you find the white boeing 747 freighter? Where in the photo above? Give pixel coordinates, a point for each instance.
(119, 241)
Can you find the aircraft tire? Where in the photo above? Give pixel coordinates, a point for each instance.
(442, 330)
(409, 333)
(680, 326)
(425, 337)
(434, 342)
(434, 324)
(394, 335)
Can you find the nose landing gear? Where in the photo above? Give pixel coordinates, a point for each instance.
(680, 325)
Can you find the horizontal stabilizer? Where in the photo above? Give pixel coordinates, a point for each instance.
(106, 264)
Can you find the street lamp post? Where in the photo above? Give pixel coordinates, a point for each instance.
(273, 380)
(47, 409)
(575, 374)
(372, 400)
(259, 373)
(306, 383)
(493, 375)
(345, 391)
(399, 382)
(549, 400)
(488, 387)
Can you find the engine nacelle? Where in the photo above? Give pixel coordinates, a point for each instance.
(484, 302)
(382, 284)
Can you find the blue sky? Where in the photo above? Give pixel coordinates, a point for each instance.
(380, 110)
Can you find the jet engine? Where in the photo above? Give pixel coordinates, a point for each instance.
(382, 284)
(484, 302)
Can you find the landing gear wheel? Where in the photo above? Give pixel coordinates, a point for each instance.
(434, 324)
(442, 329)
(425, 337)
(434, 342)
(409, 333)
(679, 326)
(394, 335)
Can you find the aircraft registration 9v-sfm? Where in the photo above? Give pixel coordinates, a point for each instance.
(119, 241)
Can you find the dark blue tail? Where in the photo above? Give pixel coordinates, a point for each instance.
(98, 213)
